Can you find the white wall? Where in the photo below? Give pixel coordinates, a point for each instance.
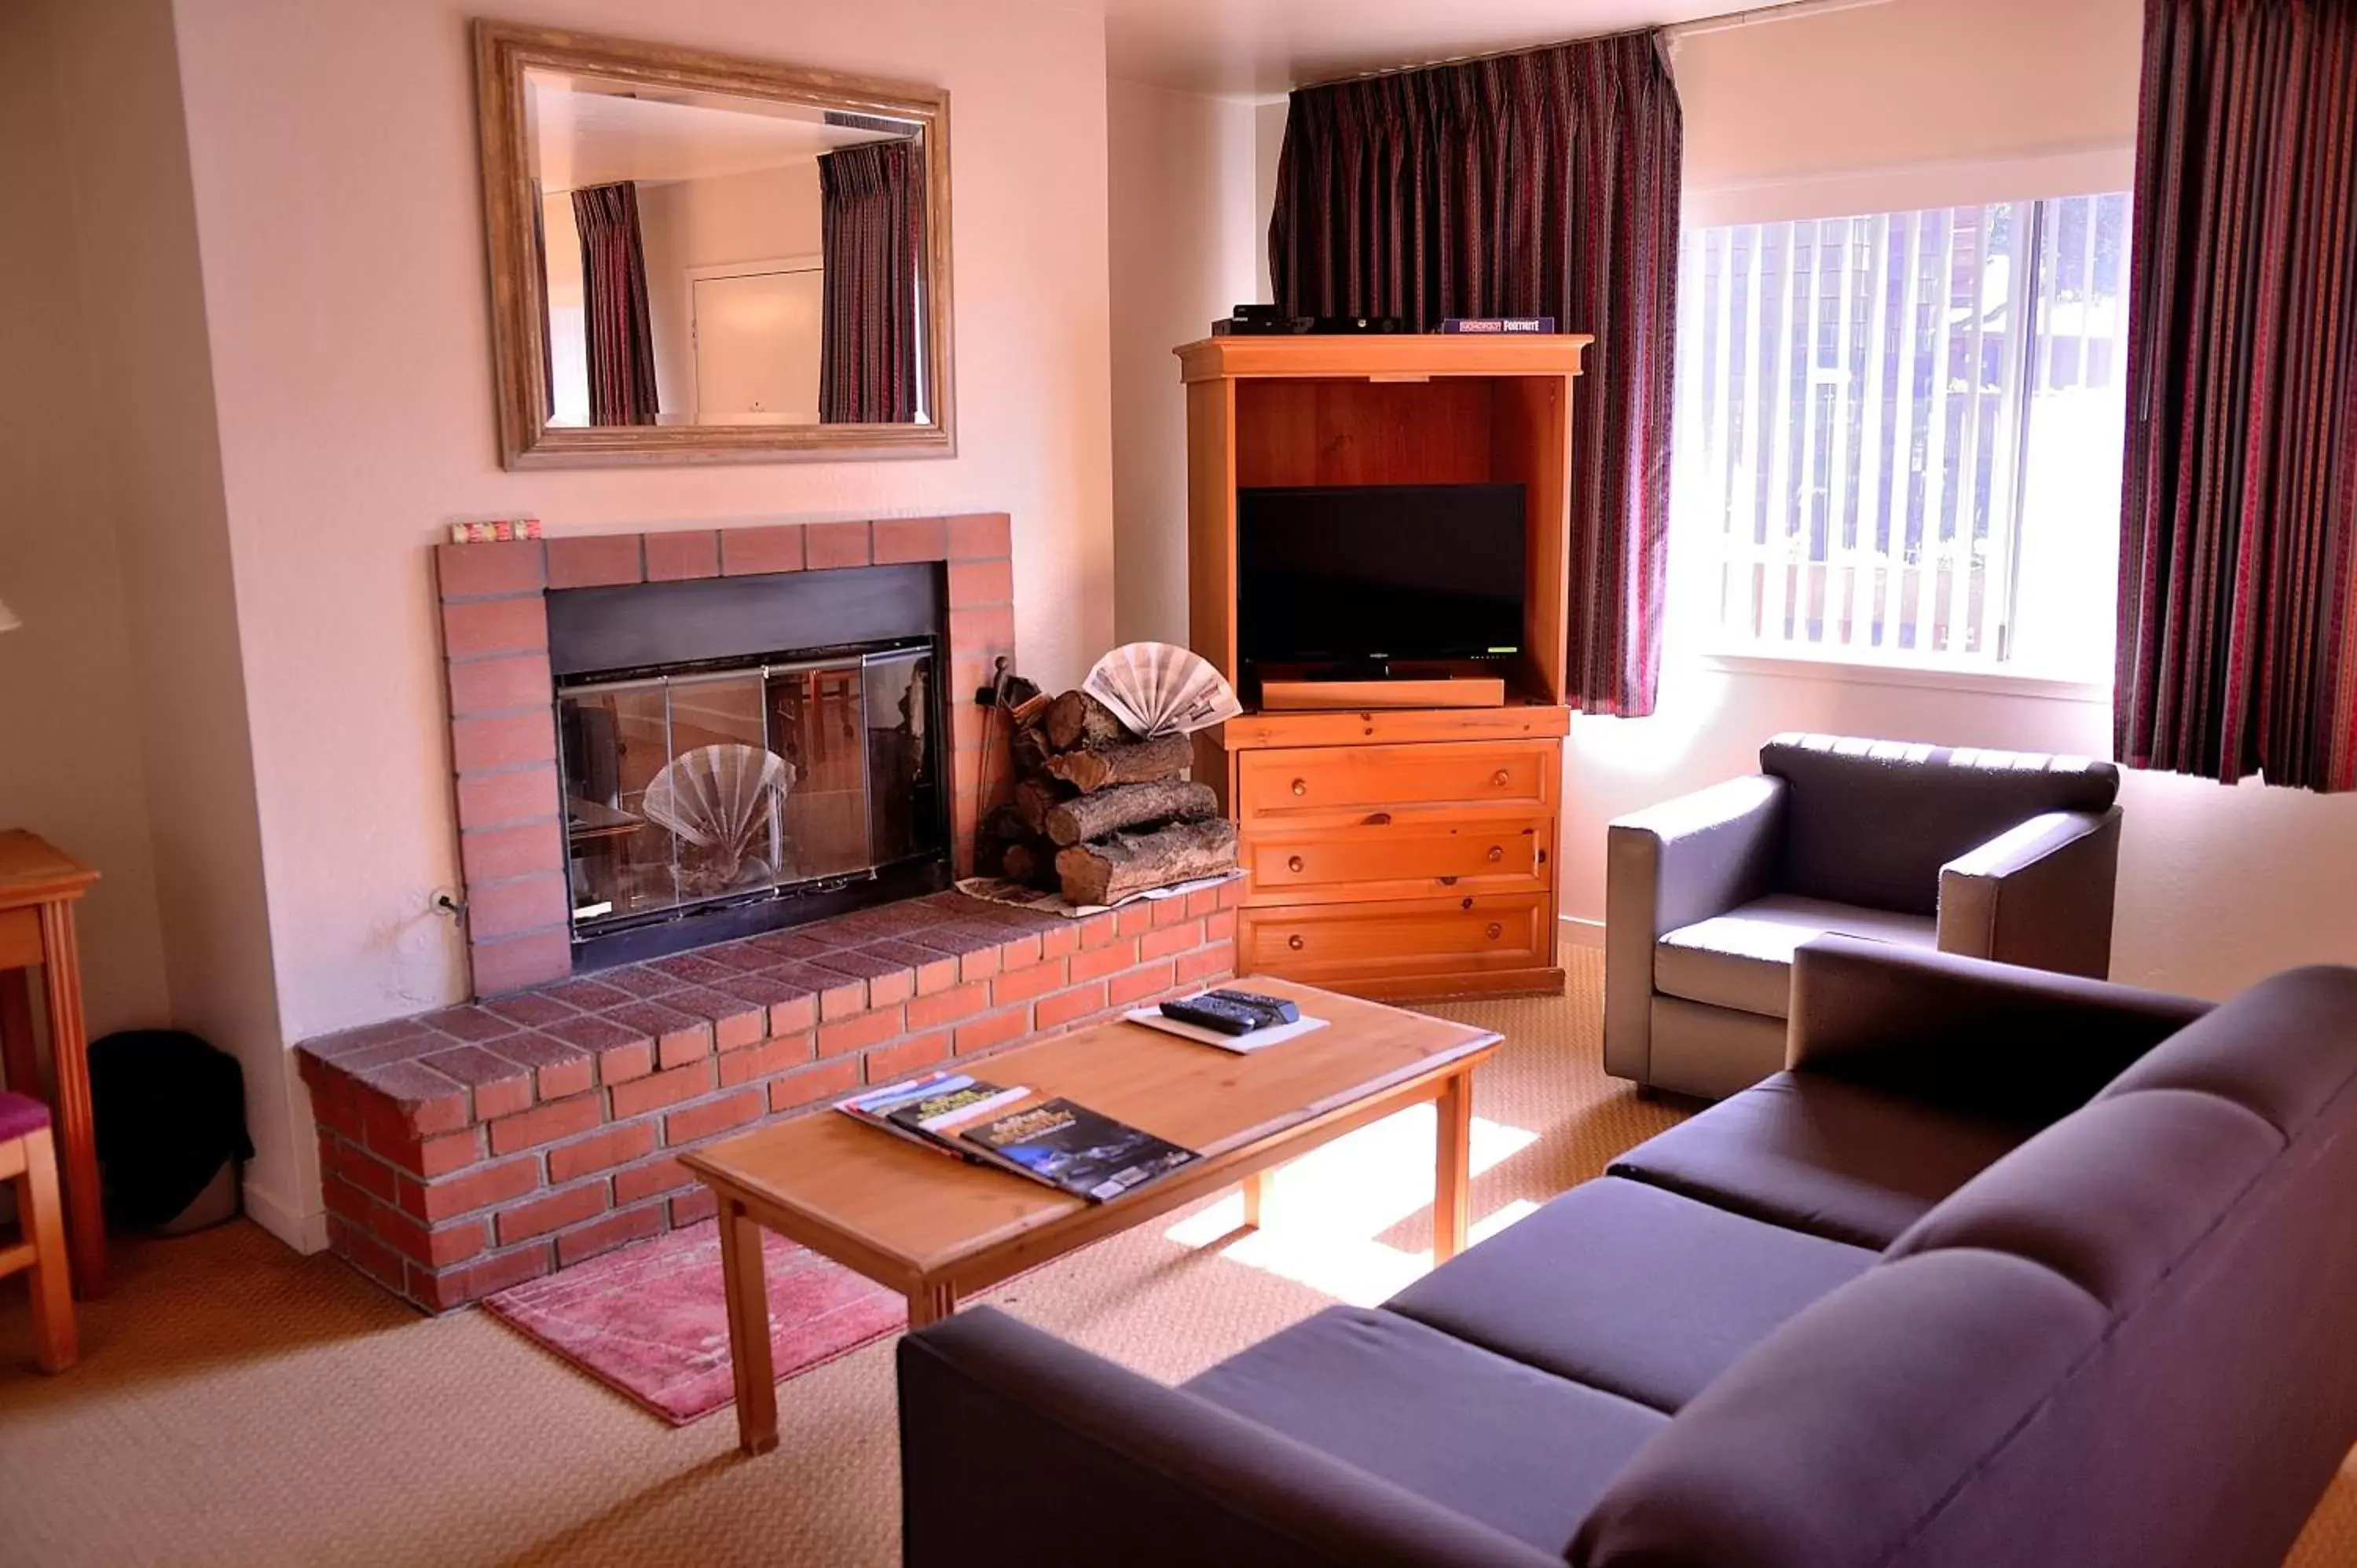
(1181, 255)
(153, 391)
(71, 768)
(1915, 83)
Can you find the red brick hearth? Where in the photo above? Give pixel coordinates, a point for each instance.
(468, 1150)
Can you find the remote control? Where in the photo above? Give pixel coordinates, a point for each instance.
(1210, 1013)
(1278, 1010)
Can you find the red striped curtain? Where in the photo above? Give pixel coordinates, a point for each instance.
(872, 235)
(620, 342)
(1537, 184)
(2238, 647)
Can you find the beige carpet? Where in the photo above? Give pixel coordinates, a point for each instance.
(239, 1404)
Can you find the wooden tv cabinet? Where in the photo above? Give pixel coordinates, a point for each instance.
(1395, 852)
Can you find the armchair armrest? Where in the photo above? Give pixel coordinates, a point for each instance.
(1993, 1039)
(1671, 865)
(1009, 1438)
(2039, 894)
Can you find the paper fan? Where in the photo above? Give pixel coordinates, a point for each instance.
(1157, 689)
(717, 798)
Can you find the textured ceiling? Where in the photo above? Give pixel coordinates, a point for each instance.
(1261, 48)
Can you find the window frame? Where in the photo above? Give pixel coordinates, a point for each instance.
(1698, 630)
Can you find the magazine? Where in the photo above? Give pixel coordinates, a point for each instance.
(1076, 1149)
(903, 1109)
(944, 1108)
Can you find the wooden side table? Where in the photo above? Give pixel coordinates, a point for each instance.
(38, 887)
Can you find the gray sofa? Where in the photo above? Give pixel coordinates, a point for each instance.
(1996, 854)
(2006, 1268)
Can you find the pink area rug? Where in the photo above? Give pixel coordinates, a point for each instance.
(650, 1322)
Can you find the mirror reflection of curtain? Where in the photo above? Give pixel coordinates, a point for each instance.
(540, 270)
(619, 339)
(871, 212)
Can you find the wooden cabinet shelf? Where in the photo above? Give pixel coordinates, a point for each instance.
(1393, 851)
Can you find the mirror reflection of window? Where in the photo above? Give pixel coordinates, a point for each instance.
(714, 260)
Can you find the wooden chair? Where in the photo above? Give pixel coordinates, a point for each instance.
(28, 1158)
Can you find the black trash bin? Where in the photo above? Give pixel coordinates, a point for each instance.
(170, 1114)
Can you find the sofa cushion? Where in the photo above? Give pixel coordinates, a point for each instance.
(1743, 958)
(1629, 1289)
(1515, 1448)
(2282, 1051)
(2111, 1197)
(1872, 821)
(1821, 1155)
(1847, 1431)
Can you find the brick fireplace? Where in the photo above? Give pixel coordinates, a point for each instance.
(480, 1145)
(495, 613)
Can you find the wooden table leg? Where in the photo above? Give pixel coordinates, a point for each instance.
(748, 1287)
(19, 1058)
(1452, 1199)
(1256, 1187)
(931, 1303)
(69, 1060)
(54, 1342)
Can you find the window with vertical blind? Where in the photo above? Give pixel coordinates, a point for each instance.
(1899, 434)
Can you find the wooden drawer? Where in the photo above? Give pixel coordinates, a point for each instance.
(1303, 781)
(1412, 855)
(1437, 936)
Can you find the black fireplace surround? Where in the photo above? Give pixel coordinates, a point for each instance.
(743, 753)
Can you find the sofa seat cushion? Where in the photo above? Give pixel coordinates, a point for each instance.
(1821, 1155)
(1631, 1289)
(1514, 1447)
(1744, 959)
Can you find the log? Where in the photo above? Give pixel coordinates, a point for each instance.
(1000, 828)
(1137, 763)
(1077, 719)
(1031, 862)
(1031, 749)
(1034, 797)
(1128, 806)
(1114, 868)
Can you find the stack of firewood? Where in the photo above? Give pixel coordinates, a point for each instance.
(1100, 813)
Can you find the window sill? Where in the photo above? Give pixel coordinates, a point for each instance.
(1995, 682)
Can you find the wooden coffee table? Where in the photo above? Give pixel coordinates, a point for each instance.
(936, 1229)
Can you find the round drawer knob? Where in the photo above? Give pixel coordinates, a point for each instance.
(1294, 864)
(1293, 942)
(1301, 786)
(1499, 777)
(1495, 931)
(1497, 852)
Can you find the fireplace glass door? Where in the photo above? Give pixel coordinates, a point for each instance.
(686, 788)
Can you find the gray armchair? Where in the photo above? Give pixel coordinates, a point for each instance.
(1992, 855)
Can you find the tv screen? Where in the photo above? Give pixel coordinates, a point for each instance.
(1357, 573)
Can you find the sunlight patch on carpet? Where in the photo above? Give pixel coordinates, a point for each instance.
(1327, 1211)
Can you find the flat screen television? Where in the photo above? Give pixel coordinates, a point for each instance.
(1361, 574)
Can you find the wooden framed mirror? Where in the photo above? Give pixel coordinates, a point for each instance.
(697, 257)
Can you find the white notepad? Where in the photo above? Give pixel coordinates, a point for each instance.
(1242, 1044)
